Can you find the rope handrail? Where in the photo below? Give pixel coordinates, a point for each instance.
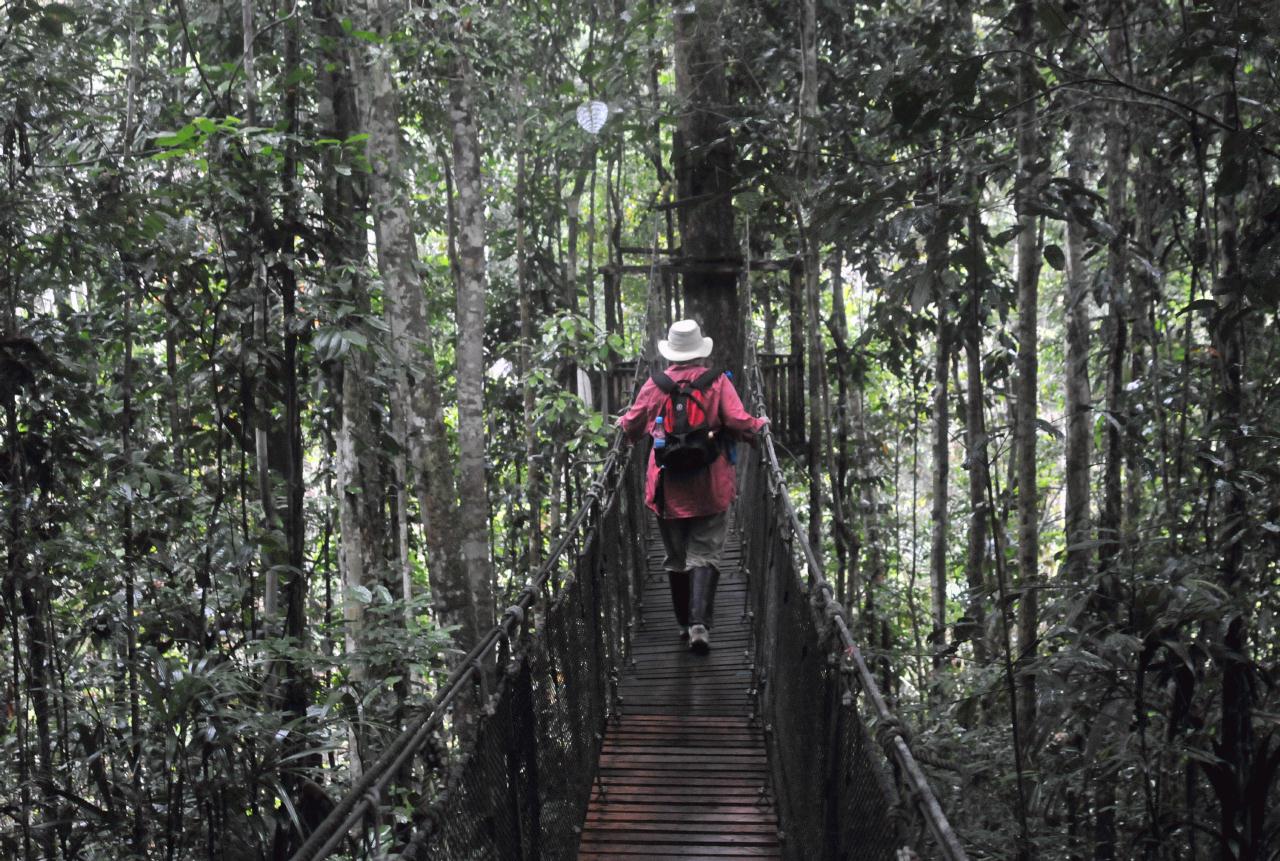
(361, 797)
(851, 656)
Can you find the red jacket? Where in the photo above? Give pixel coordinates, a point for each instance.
(708, 491)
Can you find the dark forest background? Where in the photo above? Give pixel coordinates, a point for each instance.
(299, 302)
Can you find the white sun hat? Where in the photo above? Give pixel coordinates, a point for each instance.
(685, 341)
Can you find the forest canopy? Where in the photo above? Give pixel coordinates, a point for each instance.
(317, 314)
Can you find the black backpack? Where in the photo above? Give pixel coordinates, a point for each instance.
(691, 441)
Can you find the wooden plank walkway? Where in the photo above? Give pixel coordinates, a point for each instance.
(681, 774)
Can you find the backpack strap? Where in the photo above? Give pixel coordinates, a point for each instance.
(663, 382)
(704, 380)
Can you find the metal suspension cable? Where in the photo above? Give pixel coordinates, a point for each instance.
(896, 745)
(367, 790)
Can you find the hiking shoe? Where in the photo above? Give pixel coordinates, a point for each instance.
(699, 639)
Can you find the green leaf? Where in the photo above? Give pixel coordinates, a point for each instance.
(1054, 257)
(1002, 238)
(178, 138)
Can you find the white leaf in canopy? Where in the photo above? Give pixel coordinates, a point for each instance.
(626, 16)
(592, 116)
(500, 369)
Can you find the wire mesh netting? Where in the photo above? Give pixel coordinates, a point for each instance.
(540, 690)
(835, 800)
(523, 789)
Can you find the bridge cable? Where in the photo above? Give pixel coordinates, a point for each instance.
(360, 799)
(893, 738)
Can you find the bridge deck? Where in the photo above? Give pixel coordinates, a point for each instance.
(682, 772)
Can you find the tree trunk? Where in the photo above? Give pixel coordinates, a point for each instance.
(613, 276)
(973, 626)
(849, 547)
(294, 675)
(941, 470)
(473, 507)
(357, 482)
(808, 169)
(704, 167)
(295, 589)
(1111, 528)
(936, 261)
(795, 324)
(573, 209)
(131, 590)
(417, 384)
(22, 582)
(1238, 824)
(1030, 181)
(533, 476)
(1079, 399)
(770, 313)
(272, 560)
(976, 456)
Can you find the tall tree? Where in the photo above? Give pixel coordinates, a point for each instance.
(941, 471)
(1079, 400)
(1031, 178)
(473, 508)
(418, 393)
(1241, 819)
(936, 266)
(704, 168)
(361, 527)
(977, 458)
(1111, 526)
(806, 179)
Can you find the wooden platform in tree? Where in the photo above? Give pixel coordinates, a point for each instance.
(683, 773)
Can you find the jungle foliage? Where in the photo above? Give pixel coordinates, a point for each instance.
(300, 297)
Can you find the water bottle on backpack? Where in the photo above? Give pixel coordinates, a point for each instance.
(659, 433)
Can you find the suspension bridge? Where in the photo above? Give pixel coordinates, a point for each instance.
(597, 734)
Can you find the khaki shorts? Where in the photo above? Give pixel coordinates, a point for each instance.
(693, 542)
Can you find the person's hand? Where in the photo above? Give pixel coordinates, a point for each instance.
(765, 420)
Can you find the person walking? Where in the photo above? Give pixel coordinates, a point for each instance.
(695, 418)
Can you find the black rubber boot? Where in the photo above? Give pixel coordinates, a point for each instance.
(702, 598)
(702, 595)
(679, 583)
